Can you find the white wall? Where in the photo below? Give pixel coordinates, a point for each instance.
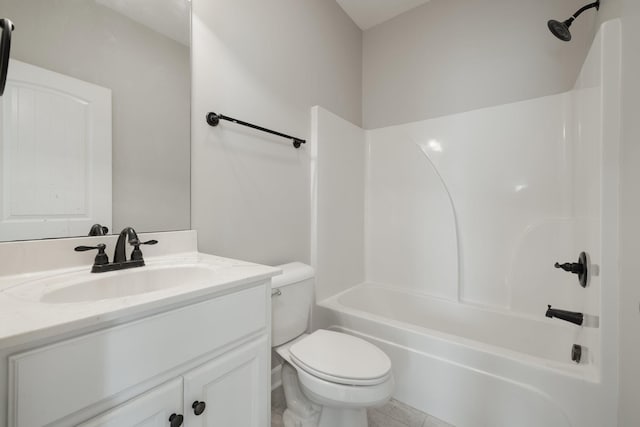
(630, 227)
(450, 56)
(629, 350)
(411, 234)
(629, 297)
(148, 74)
(337, 229)
(266, 63)
(487, 192)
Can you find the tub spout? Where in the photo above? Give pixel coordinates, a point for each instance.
(569, 316)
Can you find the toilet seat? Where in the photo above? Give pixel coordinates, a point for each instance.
(340, 358)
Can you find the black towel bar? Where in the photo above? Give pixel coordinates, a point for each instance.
(213, 119)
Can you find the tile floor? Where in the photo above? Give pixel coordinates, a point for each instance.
(393, 414)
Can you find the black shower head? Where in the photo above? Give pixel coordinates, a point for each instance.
(561, 29)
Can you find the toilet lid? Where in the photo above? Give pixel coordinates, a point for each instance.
(341, 358)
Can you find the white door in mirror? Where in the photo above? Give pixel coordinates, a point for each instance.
(55, 146)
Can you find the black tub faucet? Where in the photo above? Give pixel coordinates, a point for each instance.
(569, 316)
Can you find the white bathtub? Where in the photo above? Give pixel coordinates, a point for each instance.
(472, 366)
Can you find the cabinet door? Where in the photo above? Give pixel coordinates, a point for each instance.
(151, 409)
(234, 388)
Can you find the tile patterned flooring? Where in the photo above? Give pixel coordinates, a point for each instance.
(393, 414)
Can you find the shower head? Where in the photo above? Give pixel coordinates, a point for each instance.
(561, 29)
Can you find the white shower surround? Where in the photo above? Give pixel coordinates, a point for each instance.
(512, 189)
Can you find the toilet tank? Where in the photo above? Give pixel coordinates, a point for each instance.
(291, 300)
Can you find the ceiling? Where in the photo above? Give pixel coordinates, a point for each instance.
(168, 17)
(368, 13)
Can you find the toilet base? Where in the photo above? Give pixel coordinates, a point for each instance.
(351, 417)
(302, 412)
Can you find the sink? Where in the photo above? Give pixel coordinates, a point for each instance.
(86, 287)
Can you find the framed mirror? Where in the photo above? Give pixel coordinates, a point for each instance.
(95, 118)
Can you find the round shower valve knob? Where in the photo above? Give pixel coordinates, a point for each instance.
(581, 268)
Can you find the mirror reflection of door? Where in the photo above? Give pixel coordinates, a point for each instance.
(55, 148)
(140, 51)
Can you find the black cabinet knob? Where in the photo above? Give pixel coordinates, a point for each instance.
(176, 420)
(198, 407)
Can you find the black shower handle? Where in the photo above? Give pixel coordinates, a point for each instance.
(571, 267)
(581, 268)
(5, 47)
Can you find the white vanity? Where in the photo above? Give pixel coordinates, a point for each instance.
(183, 340)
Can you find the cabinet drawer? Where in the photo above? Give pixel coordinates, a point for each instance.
(52, 382)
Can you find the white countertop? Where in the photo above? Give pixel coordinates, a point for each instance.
(24, 318)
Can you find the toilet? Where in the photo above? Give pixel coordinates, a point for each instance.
(329, 378)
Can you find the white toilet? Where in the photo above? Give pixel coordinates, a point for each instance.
(329, 378)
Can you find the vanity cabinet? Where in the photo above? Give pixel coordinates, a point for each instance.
(224, 392)
(139, 373)
(231, 389)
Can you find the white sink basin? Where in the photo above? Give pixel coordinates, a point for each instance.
(85, 286)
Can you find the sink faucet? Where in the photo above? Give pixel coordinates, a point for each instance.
(120, 256)
(98, 230)
(120, 262)
(128, 233)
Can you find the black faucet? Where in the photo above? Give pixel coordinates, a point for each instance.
(101, 260)
(120, 262)
(569, 316)
(128, 233)
(120, 256)
(98, 230)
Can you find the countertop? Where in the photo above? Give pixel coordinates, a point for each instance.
(24, 318)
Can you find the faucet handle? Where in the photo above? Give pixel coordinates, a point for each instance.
(136, 254)
(101, 257)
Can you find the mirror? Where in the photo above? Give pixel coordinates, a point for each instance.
(106, 138)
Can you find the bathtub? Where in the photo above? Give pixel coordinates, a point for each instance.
(472, 366)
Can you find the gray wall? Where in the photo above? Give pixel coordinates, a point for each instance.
(267, 63)
(450, 56)
(149, 75)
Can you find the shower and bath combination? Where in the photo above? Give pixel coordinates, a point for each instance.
(561, 29)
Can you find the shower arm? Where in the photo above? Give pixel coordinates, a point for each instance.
(595, 4)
